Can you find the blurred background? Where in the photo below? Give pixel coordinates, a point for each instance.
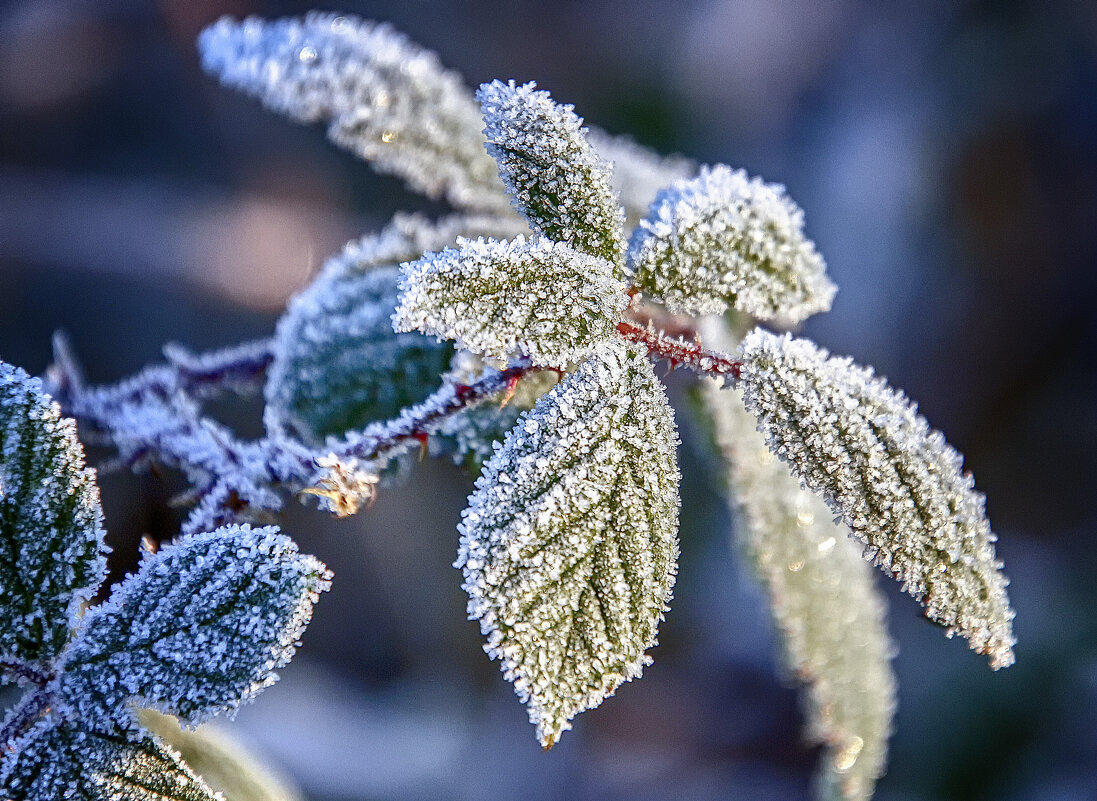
(946, 158)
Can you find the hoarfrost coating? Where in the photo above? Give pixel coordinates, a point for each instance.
(569, 544)
(889, 476)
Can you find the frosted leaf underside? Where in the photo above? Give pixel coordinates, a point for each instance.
(891, 478)
(384, 98)
(61, 760)
(827, 608)
(569, 545)
(199, 629)
(535, 297)
(338, 364)
(554, 176)
(51, 536)
(723, 240)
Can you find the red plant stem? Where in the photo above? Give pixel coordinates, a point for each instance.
(680, 351)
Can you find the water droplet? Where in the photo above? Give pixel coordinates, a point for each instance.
(307, 54)
(388, 136)
(805, 519)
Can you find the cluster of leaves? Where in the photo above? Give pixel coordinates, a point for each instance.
(199, 629)
(569, 543)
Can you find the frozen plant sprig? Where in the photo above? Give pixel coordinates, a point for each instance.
(198, 630)
(569, 544)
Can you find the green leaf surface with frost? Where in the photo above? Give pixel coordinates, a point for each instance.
(891, 478)
(554, 177)
(61, 760)
(52, 556)
(338, 365)
(722, 240)
(569, 544)
(199, 629)
(535, 297)
(828, 611)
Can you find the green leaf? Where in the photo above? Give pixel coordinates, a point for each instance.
(61, 760)
(891, 478)
(725, 240)
(554, 176)
(383, 97)
(338, 364)
(535, 297)
(51, 534)
(569, 544)
(829, 613)
(199, 629)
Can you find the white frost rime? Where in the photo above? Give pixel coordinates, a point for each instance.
(59, 760)
(384, 98)
(895, 481)
(569, 545)
(723, 239)
(535, 297)
(52, 556)
(198, 630)
(554, 177)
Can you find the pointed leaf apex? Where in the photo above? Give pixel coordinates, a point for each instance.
(554, 176)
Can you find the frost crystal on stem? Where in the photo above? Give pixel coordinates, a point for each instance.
(569, 544)
(723, 239)
(889, 476)
(555, 178)
(536, 297)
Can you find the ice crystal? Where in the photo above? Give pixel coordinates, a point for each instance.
(892, 479)
(569, 544)
(828, 610)
(536, 297)
(723, 239)
(199, 629)
(554, 176)
(60, 760)
(383, 97)
(51, 534)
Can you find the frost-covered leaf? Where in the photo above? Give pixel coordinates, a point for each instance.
(638, 173)
(569, 545)
(338, 364)
(537, 297)
(825, 603)
(384, 98)
(892, 479)
(200, 628)
(223, 762)
(62, 760)
(51, 535)
(555, 178)
(723, 239)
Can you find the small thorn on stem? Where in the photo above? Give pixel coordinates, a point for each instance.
(508, 393)
(422, 438)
